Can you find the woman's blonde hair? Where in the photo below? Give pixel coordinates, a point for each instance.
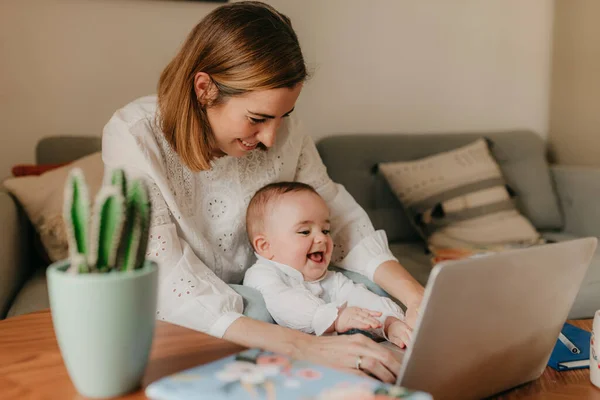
(243, 47)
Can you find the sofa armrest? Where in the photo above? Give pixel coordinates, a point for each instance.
(15, 254)
(578, 190)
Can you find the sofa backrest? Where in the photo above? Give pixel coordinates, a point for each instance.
(61, 149)
(352, 160)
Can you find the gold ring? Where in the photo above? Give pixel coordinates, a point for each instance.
(358, 362)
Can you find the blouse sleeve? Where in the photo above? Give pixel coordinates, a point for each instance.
(189, 293)
(357, 246)
(291, 306)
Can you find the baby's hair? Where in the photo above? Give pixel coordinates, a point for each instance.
(257, 208)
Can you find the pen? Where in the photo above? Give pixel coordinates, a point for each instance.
(574, 349)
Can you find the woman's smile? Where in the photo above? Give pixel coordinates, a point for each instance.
(247, 146)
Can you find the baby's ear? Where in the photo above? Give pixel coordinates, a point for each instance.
(261, 245)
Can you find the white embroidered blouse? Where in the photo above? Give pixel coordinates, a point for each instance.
(198, 233)
(313, 306)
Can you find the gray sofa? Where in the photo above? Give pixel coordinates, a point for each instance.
(559, 201)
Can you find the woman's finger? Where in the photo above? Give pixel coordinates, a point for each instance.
(371, 366)
(376, 368)
(406, 337)
(398, 341)
(404, 333)
(360, 345)
(354, 371)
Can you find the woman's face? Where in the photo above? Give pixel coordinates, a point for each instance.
(242, 123)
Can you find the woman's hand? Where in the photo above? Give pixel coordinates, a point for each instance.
(339, 352)
(356, 318)
(344, 352)
(413, 308)
(399, 283)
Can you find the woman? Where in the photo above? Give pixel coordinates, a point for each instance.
(201, 144)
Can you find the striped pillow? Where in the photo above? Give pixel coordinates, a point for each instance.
(459, 198)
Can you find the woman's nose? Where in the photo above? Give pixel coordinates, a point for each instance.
(268, 133)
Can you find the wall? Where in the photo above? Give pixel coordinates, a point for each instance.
(378, 66)
(575, 113)
(418, 66)
(67, 65)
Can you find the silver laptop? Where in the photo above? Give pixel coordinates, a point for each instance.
(489, 324)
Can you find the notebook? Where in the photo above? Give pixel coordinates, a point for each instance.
(572, 350)
(255, 374)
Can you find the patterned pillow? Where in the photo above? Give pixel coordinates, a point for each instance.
(42, 198)
(459, 199)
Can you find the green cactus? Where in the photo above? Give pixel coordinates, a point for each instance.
(107, 227)
(76, 213)
(119, 180)
(118, 236)
(135, 238)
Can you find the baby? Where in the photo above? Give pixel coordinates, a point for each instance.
(288, 226)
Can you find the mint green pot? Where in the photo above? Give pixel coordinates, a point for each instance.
(104, 324)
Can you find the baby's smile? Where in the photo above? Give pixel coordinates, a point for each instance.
(317, 256)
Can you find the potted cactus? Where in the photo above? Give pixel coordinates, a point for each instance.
(103, 297)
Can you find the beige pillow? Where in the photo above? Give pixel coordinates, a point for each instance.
(42, 198)
(459, 199)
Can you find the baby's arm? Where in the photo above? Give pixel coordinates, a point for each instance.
(291, 306)
(357, 295)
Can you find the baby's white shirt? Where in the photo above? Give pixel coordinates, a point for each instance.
(312, 307)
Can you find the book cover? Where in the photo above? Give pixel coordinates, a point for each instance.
(254, 374)
(572, 350)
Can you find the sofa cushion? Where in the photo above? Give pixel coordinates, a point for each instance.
(42, 198)
(459, 198)
(32, 297)
(588, 298)
(352, 161)
(21, 170)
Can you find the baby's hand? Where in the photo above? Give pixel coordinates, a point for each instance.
(398, 333)
(356, 318)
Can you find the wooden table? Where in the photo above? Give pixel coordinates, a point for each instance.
(31, 366)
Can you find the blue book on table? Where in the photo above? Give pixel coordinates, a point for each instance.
(571, 351)
(254, 374)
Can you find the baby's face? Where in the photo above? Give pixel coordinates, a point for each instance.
(297, 230)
